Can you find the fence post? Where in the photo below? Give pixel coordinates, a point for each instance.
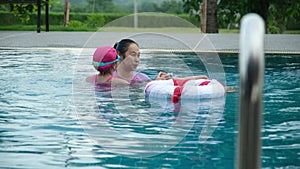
(47, 15)
(39, 16)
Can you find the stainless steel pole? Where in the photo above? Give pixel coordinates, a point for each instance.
(251, 67)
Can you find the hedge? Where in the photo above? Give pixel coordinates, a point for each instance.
(109, 19)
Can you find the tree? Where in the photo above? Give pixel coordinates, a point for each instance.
(97, 6)
(280, 13)
(192, 7)
(230, 12)
(211, 21)
(206, 10)
(23, 10)
(171, 6)
(276, 13)
(148, 6)
(260, 7)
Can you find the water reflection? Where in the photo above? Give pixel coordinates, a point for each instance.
(122, 121)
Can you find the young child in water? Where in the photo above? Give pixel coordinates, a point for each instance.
(105, 61)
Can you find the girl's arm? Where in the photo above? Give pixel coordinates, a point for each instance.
(193, 77)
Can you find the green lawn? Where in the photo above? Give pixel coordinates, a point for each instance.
(43, 28)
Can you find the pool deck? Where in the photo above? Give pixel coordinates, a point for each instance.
(222, 43)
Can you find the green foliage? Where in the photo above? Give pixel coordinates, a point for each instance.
(23, 11)
(190, 19)
(76, 24)
(97, 6)
(160, 20)
(7, 18)
(95, 21)
(148, 7)
(171, 6)
(192, 7)
(57, 6)
(167, 6)
(98, 20)
(120, 6)
(230, 13)
(280, 13)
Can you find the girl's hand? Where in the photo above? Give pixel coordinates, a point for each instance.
(163, 76)
(202, 77)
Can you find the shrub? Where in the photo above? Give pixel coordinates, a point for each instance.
(95, 21)
(76, 24)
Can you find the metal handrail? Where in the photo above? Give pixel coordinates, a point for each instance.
(251, 67)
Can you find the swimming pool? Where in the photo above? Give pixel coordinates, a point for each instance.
(42, 125)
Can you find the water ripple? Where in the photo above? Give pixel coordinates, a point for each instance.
(39, 127)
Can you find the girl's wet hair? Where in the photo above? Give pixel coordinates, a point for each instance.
(123, 45)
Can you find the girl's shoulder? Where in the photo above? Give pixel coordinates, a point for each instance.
(91, 79)
(140, 77)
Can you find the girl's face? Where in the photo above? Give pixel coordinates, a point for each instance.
(132, 57)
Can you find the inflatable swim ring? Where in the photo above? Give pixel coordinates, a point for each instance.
(192, 89)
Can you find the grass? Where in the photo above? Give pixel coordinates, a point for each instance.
(163, 30)
(292, 32)
(43, 28)
(119, 29)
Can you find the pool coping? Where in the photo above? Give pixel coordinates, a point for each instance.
(220, 43)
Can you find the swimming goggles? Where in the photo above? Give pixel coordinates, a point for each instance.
(100, 64)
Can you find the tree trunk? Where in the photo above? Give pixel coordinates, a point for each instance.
(67, 13)
(203, 16)
(209, 21)
(260, 7)
(264, 12)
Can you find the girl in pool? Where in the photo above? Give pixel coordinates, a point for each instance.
(105, 61)
(129, 52)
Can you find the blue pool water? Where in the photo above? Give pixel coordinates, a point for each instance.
(48, 120)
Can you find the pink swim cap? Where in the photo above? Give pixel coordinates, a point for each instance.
(104, 57)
